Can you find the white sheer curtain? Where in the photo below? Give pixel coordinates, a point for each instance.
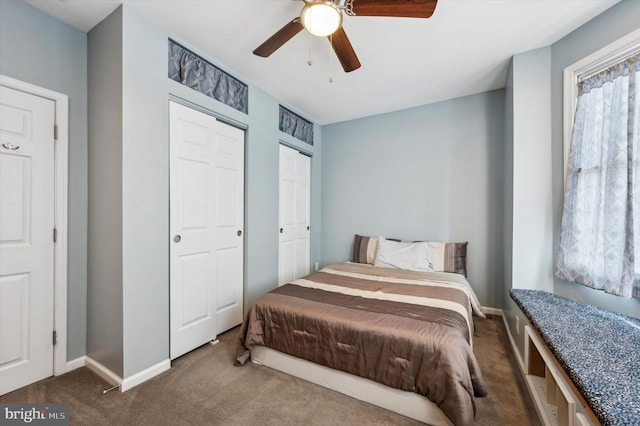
(600, 236)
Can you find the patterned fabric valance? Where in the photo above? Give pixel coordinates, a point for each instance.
(193, 71)
(296, 126)
(623, 68)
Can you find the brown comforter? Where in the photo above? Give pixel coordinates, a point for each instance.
(408, 330)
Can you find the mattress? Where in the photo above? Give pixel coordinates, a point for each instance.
(404, 329)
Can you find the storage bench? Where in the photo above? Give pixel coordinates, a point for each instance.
(596, 350)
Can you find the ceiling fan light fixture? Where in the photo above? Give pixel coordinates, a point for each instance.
(321, 18)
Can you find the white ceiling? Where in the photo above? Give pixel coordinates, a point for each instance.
(464, 48)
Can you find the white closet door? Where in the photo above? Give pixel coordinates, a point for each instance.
(229, 202)
(295, 184)
(206, 217)
(26, 238)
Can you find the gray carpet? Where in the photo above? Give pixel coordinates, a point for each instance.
(204, 388)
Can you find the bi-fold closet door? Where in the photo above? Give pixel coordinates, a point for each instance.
(206, 227)
(295, 221)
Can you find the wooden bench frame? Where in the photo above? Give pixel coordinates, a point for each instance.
(557, 399)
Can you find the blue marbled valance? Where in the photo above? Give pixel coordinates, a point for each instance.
(193, 71)
(296, 126)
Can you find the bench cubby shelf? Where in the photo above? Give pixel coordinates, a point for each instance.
(557, 403)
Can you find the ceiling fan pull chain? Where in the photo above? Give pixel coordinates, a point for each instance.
(309, 61)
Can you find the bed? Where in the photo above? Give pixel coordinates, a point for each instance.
(398, 338)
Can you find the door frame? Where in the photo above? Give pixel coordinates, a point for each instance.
(307, 153)
(60, 247)
(245, 128)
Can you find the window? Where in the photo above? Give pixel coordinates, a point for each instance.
(600, 235)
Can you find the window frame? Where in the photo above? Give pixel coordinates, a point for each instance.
(586, 66)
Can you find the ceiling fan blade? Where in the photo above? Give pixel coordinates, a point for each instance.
(395, 8)
(281, 36)
(342, 46)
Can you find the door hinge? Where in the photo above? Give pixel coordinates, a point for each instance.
(55, 235)
(55, 132)
(55, 337)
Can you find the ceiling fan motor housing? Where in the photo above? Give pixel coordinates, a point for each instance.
(321, 18)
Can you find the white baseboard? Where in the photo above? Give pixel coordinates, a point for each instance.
(514, 347)
(102, 371)
(75, 364)
(491, 311)
(130, 382)
(145, 375)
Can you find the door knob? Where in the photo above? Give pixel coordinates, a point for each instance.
(308, 227)
(281, 230)
(177, 239)
(9, 145)
(239, 232)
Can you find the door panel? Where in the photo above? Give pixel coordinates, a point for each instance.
(194, 294)
(227, 186)
(16, 199)
(227, 259)
(26, 238)
(15, 333)
(194, 208)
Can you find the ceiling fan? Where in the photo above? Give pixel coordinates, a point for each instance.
(323, 18)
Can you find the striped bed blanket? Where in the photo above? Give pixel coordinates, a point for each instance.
(407, 330)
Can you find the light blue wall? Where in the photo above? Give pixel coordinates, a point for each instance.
(428, 173)
(537, 76)
(41, 50)
(604, 29)
(142, 172)
(145, 193)
(531, 179)
(527, 156)
(105, 261)
(509, 307)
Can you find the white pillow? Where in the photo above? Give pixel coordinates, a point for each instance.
(412, 256)
(437, 254)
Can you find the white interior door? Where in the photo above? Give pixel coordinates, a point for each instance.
(192, 229)
(295, 224)
(229, 202)
(26, 238)
(206, 224)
